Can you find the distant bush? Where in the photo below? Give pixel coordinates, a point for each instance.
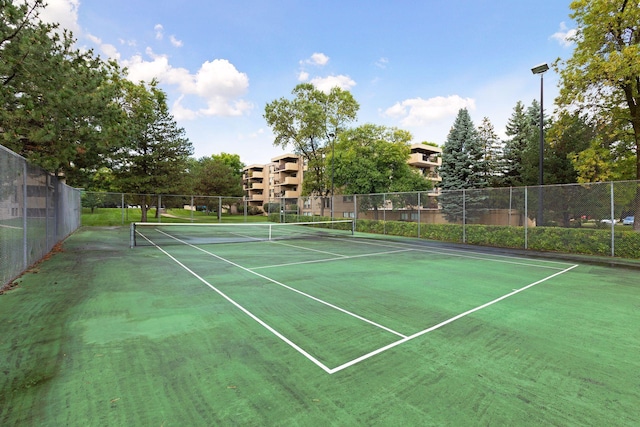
(586, 241)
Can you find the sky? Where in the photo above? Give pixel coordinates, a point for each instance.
(409, 64)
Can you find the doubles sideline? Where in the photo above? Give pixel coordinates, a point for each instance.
(403, 338)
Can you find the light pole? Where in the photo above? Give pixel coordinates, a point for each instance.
(333, 139)
(541, 69)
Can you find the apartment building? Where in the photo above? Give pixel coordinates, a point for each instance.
(427, 159)
(283, 176)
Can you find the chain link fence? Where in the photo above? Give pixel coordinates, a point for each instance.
(161, 207)
(590, 218)
(594, 218)
(36, 212)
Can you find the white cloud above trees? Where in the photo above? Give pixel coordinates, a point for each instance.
(564, 35)
(419, 112)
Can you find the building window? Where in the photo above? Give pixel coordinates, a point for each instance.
(348, 214)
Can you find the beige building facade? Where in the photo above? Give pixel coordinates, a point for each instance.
(283, 177)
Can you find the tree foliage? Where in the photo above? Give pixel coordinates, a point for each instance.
(463, 165)
(310, 124)
(155, 158)
(373, 159)
(54, 98)
(602, 77)
(492, 149)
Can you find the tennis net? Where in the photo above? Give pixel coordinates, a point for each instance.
(145, 234)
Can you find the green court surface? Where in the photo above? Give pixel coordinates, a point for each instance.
(338, 331)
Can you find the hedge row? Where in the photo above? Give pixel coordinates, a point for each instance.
(551, 239)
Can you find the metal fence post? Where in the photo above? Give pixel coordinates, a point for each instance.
(464, 216)
(613, 224)
(419, 209)
(526, 218)
(25, 210)
(384, 213)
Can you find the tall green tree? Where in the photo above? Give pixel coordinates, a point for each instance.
(492, 149)
(155, 160)
(373, 159)
(567, 138)
(310, 124)
(463, 166)
(231, 160)
(602, 77)
(54, 99)
(518, 129)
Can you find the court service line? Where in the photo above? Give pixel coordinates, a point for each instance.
(446, 322)
(309, 249)
(335, 307)
(245, 311)
(340, 258)
(455, 253)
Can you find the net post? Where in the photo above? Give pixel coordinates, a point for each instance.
(132, 235)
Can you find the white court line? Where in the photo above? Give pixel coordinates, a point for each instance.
(244, 310)
(10, 227)
(309, 249)
(335, 307)
(456, 253)
(340, 258)
(367, 355)
(446, 322)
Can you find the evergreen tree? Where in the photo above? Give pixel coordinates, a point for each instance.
(463, 167)
(155, 160)
(492, 152)
(518, 128)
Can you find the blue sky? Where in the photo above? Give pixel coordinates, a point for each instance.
(409, 64)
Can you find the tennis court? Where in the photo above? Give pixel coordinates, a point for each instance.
(262, 325)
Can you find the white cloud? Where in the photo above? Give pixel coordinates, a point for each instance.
(175, 41)
(218, 83)
(303, 76)
(419, 112)
(564, 36)
(108, 49)
(318, 59)
(63, 12)
(325, 84)
(382, 63)
(159, 31)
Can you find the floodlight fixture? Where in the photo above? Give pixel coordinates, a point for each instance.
(539, 69)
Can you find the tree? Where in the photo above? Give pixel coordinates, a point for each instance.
(231, 160)
(462, 167)
(214, 176)
(602, 77)
(518, 129)
(373, 159)
(310, 124)
(492, 149)
(54, 99)
(567, 139)
(156, 158)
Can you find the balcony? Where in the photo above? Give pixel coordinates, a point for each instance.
(288, 167)
(421, 160)
(290, 180)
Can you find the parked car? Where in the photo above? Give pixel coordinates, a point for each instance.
(628, 220)
(608, 221)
